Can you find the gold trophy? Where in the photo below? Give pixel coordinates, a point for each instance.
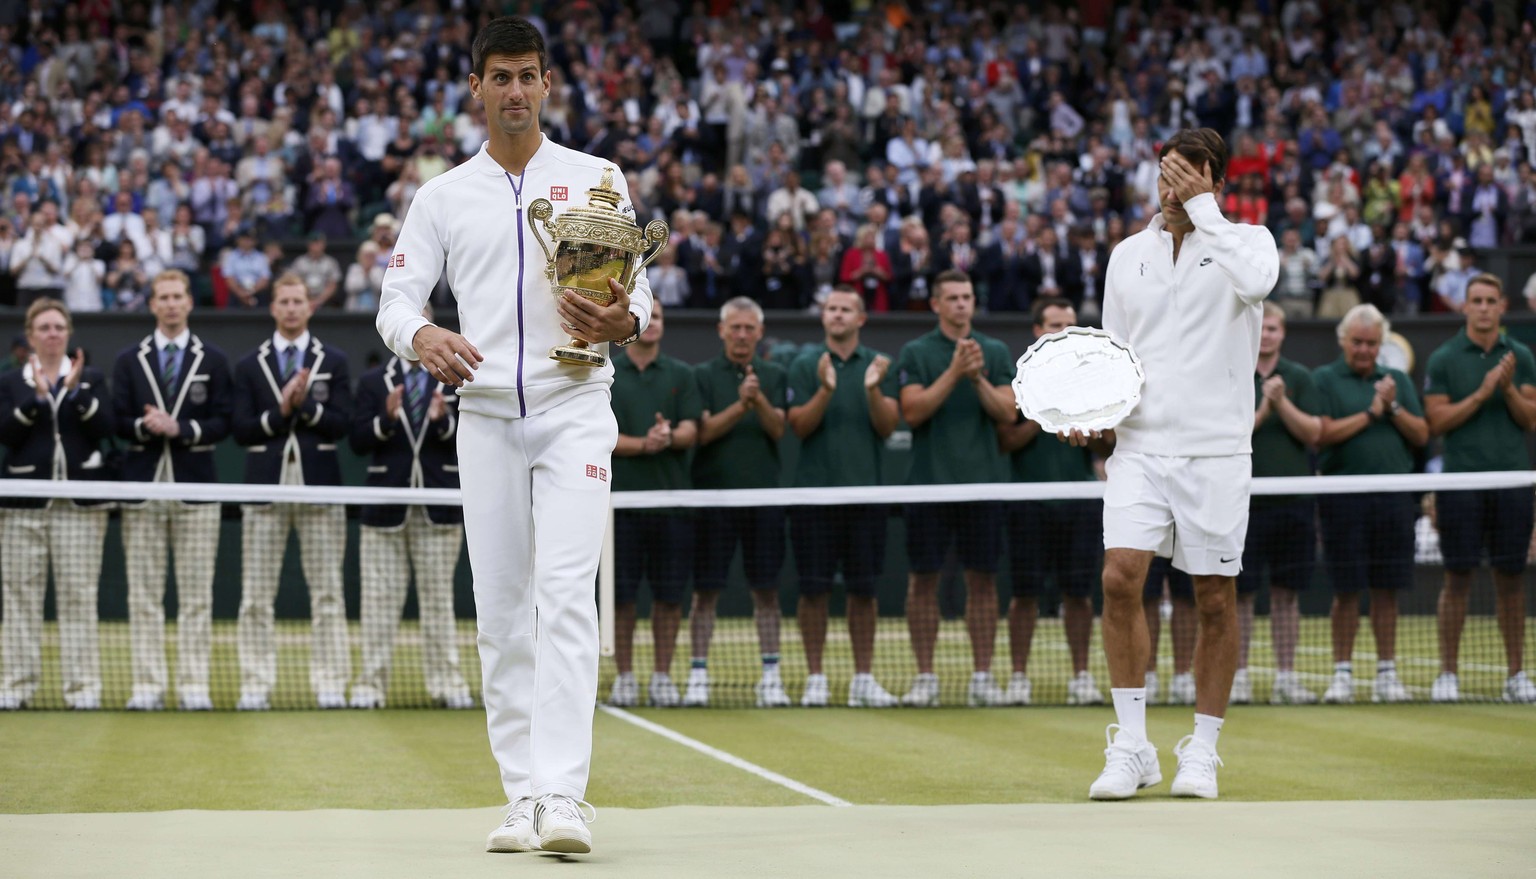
(593, 244)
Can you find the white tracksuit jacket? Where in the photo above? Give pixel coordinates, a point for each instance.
(1195, 325)
(472, 222)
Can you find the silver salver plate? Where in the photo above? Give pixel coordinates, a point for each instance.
(1081, 378)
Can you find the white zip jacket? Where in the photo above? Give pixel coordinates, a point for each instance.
(472, 222)
(1195, 325)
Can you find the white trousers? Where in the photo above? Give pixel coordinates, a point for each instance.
(322, 541)
(388, 557)
(535, 506)
(149, 532)
(72, 538)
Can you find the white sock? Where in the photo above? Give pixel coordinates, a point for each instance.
(1344, 668)
(978, 677)
(1207, 728)
(1386, 666)
(1131, 710)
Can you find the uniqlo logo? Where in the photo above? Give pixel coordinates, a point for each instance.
(397, 261)
(596, 472)
(558, 193)
(591, 471)
(602, 474)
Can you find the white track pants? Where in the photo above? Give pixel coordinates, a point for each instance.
(149, 532)
(322, 540)
(388, 557)
(71, 537)
(535, 506)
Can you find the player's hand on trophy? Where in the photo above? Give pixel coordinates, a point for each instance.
(446, 355)
(1274, 388)
(437, 408)
(750, 390)
(875, 374)
(593, 323)
(1078, 439)
(825, 373)
(392, 402)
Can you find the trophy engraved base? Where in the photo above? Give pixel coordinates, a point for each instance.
(577, 354)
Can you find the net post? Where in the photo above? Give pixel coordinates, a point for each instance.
(605, 578)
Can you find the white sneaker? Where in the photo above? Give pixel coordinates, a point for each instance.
(365, 698)
(1519, 689)
(92, 702)
(1082, 689)
(193, 702)
(11, 702)
(662, 691)
(145, 702)
(865, 692)
(770, 691)
(561, 823)
(1446, 688)
(984, 692)
(697, 695)
(252, 702)
(331, 700)
(1150, 682)
(1018, 692)
(1182, 690)
(815, 695)
(1242, 688)
(1130, 764)
(1289, 691)
(924, 692)
(515, 833)
(625, 692)
(460, 701)
(1389, 689)
(1197, 769)
(1341, 691)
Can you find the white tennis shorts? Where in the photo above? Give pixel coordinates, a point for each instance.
(1193, 510)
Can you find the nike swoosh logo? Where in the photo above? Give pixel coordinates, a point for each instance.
(1232, 559)
(1138, 698)
(1205, 262)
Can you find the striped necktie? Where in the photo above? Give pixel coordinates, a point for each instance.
(416, 396)
(290, 361)
(169, 368)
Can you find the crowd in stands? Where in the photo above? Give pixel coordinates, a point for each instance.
(790, 146)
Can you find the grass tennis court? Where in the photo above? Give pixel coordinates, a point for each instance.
(734, 660)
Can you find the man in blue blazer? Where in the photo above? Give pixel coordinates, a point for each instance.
(171, 402)
(293, 401)
(407, 421)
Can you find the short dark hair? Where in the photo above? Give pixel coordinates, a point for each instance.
(1488, 279)
(1037, 311)
(1200, 146)
(951, 276)
(508, 35)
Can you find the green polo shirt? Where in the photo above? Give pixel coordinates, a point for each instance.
(666, 386)
(1377, 449)
(844, 449)
(1048, 459)
(1490, 439)
(746, 457)
(1275, 451)
(959, 443)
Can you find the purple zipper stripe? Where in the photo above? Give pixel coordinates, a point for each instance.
(517, 193)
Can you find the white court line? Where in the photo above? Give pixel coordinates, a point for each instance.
(724, 757)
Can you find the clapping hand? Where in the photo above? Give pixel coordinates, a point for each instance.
(875, 374)
(159, 422)
(825, 373)
(438, 407)
(659, 437)
(392, 402)
(1274, 388)
(750, 390)
(295, 391)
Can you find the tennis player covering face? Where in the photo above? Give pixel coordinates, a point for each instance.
(535, 435)
(1186, 294)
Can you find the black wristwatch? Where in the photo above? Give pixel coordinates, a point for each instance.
(632, 336)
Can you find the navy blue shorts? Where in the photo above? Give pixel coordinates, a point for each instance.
(656, 548)
(759, 531)
(847, 538)
(1496, 519)
(1058, 539)
(974, 528)
(1282, 541)
(1180, 584)
(1368, 540)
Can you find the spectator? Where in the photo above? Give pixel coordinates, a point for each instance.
(247, 272)
(187, 241)
(1340, 275)
(868, 270)
(669, 281)
(1486, 414)
(124, 223)
(84, 277)
(320, 272)
(657, 406)
(53, 428)
(37, 258)
(365, 278)
(955, 386)
(784, 266)
(793, 201)
(1371, 423)
(842, 407)
(742, 399)
(1459, 268)
(127, 279)
(330, 200)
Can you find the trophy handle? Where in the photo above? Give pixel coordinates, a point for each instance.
(539, 211)
(657, 233)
